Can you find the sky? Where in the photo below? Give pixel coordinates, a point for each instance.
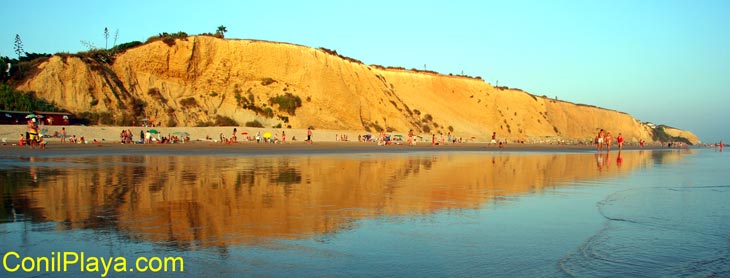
(666, 62)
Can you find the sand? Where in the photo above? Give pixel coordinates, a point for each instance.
(324, 143)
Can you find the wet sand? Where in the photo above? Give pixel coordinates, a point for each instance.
(253, 148)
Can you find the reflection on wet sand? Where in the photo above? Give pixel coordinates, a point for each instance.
(189, 201)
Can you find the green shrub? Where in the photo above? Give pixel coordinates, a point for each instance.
(287, 103)
(123, 47)
(254, 123)
(427, 117)
(224, 121)
(204, 124)
(659, 134)
(188, 102)
(267, 81)
(268, 112)
(11, 99)
(93, 102)
(168, 38)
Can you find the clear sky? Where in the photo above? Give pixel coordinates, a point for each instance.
(660, 61)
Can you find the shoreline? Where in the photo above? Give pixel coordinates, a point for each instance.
(294, 148)
(324, 143)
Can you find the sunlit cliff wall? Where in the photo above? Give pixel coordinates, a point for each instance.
(199, 78)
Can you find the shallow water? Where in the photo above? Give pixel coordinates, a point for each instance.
(473, 214)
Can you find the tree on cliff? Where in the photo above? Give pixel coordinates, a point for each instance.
(106, 38)
(221, 31)
(18, 46)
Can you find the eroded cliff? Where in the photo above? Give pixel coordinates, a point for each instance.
(196, 80)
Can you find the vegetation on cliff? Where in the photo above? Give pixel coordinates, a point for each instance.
(13, 100)
(659, 134)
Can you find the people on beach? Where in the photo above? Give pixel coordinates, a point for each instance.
(620, 141)
(599, 140)
(309, 135)
(283, 136)
(33, 132)
(63, 135)
(608, 140)
(411, 138)
(494, 138)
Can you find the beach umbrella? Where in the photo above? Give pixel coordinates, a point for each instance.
(145, 119)
(153, 131)
(65, 117)
(8, 115)
(267, 134)
(244, 133)
(398, 136)
(30, 116)
(181, 133)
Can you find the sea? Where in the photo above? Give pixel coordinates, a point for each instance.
(573, 213)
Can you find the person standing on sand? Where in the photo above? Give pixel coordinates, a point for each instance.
(608, 140)
(433, 139)
(63, 135)
(620, 141)
(599, 140)
(283, 136)
(410, 138)
(309, 135)
(494, 138)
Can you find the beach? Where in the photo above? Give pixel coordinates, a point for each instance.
(324, 141)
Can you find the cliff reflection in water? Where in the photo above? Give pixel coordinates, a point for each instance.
(219, 201)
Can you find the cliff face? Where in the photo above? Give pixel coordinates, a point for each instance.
(199, 78)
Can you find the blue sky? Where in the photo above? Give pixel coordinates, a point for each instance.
(660, 61)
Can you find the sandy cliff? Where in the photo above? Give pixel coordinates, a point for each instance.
(197, 79)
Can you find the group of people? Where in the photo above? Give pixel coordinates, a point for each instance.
(605, 139)
(259, 138)
(33, 136)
